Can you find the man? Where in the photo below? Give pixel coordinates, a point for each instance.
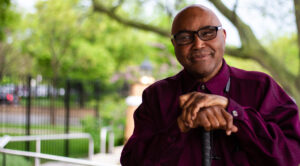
(251, 119)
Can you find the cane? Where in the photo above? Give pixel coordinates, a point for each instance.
(206, 148)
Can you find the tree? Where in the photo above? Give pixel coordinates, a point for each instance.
(4, 7)
(12, 61)
(251, 47)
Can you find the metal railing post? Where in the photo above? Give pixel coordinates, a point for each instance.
(67, 115)
(97, 96)
(111, 140)
(28, 112)
(4, 159)
(91, 148)
(103, 140)
(38, 150)
(111, 137)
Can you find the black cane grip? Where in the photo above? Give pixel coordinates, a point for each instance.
(206, 148)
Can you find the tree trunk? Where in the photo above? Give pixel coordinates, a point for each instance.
(297, 15)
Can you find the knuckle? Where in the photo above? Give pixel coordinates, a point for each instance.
(222, 123)
(207, 128)
(207, 125)
(198, 104)
(208, 111)
(216, 125)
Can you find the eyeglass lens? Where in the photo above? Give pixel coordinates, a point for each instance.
(204, 34)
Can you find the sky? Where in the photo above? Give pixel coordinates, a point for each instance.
(265, 28)
(26, 5)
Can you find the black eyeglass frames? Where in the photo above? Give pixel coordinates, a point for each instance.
(186, 37)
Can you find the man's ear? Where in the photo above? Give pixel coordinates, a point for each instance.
(172, 40)
(224, 34)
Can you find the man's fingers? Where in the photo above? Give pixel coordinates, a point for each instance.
(218, 113)
(183, 99)
(231, 128)
(212, 118)
(235, 129)
(228, 119)
(203, 121)
(197, 105)
(188, 107)
(193, 102)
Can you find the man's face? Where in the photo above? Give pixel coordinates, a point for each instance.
(201, 58)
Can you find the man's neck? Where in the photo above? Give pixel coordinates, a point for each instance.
(205, 78)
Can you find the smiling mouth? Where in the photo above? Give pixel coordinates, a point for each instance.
(199, 57)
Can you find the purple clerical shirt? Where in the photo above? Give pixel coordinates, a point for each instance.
(267, 119)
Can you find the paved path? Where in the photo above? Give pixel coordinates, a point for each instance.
(113, 158)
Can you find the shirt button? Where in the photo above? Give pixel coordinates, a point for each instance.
(235, 113)
(202, 87)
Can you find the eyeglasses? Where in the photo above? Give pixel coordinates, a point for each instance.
(205, 34)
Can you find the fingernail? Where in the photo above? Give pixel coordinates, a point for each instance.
(228, 132)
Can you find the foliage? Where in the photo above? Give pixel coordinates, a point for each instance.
(251, 46)
(69, 40)
(10, 61)
(249, 65)
(286, 50)
(91, 125)
(113, 112)
(4, 7)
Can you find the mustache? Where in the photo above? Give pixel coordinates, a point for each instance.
(201, 52)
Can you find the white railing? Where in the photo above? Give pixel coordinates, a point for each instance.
(38, 155)
(104, 132)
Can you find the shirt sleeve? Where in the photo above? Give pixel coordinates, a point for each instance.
(270, 133)
(152, 143)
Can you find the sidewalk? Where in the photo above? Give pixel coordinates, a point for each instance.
(113, 158)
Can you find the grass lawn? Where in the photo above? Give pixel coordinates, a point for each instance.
(12, 160)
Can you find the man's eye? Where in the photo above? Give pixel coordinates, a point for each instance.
(184, 37)
(207, 33)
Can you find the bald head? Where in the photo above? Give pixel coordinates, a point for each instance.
(184, 19)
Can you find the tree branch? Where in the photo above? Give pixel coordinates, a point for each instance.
(247, 37)
(120, 2)
(98, 7)
(167, 9)
(236, 52)
(253, 49)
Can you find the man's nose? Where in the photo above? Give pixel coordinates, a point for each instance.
(198, 43)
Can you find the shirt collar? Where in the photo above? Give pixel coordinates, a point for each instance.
(216, 85)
